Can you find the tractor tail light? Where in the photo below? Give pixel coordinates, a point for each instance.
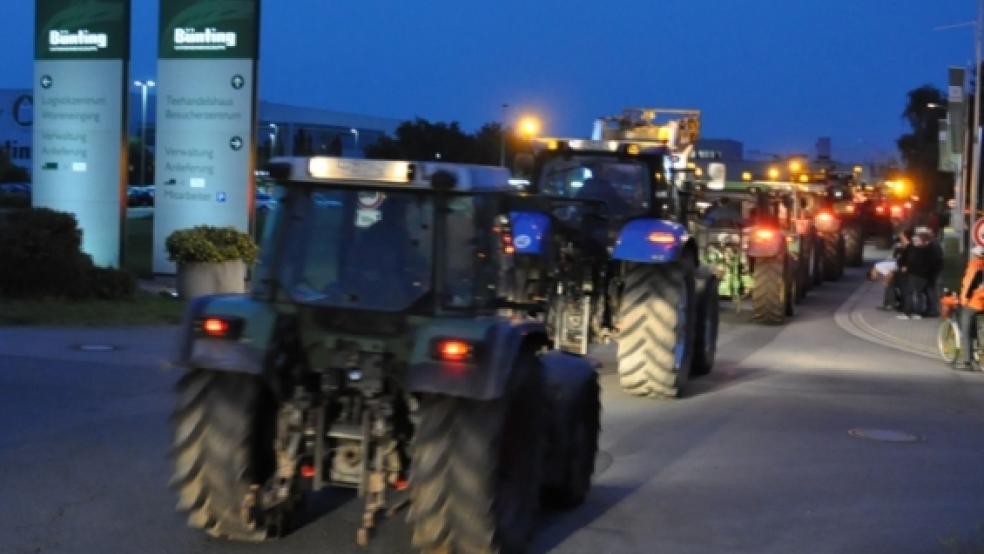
(218, 327)
(765, 234)
(452, 350)
(661, 237)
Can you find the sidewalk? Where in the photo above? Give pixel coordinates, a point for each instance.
(860, 317)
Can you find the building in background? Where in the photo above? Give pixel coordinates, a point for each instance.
(282, 129)
(16, 119)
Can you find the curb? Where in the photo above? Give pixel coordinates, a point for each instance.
(851, 321)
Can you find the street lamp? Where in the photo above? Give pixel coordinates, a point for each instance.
(746, 176)
(773, 173)
(355, 132)
(795, 166)
(529, 127)
(502, 136)
(143, 86)
(274, 129)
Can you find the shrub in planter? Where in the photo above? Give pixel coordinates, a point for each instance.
(210, 260)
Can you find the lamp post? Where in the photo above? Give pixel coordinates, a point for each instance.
(274, 129)
(143, 86)
(502, 136)
(528, 127)
(355, 133)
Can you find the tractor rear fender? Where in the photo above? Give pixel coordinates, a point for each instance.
(495, 343)
(765, 242)
(652, 241)
(528, 231)
(565, 374)
(242, 350)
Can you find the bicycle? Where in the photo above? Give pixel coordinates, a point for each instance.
(948, 336)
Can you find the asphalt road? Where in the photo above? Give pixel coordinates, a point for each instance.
(757, 458)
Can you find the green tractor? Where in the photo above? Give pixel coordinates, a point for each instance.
(745, 237)
(379, 351)
(820, 201)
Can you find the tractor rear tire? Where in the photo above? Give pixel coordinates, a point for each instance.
(224, 430)
(475, 478)
(792, 294)
(575, 421)
(771, 289)
(853, 246)
(655, 340)
(816, 249)
(832, 268)
(706, 335)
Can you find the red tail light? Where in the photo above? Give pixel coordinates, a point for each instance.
(880, 210)
(765, 234)
(307, 471)
(896, 211)
(215, 327)
(453, 350)
(661, 237)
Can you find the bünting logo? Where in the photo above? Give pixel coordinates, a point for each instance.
(60, 40)
(190, 38)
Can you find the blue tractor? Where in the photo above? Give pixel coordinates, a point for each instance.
(626, 267)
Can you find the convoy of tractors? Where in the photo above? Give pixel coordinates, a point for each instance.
(420, 331)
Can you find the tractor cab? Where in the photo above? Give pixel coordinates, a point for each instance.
(386, 237)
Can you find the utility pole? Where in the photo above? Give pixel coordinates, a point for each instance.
(975, 168)
(502, 136)
(143, 86)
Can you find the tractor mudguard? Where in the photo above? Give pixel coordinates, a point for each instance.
(650, 241)
(242, 354)
(497, 342)
(565, 374)
(528, 230)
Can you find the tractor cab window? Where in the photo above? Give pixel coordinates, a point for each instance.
(374, 250)
(623, 186)
(356, 249)
(475, 253)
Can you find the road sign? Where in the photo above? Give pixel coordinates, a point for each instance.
(978, 232)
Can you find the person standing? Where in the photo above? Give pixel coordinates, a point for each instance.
(917, 266)
(936, 269)
(895, 280)
(971, 304)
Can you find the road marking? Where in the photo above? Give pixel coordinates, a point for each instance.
(859, 328)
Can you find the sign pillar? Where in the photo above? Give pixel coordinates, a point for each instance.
(206, 117)
(81, 52)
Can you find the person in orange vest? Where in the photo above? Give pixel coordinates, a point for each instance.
(971, 303)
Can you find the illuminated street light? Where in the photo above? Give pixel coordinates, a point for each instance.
(804, 178)
(773, 173)
(746, 176)
(858, 169)
(528, 127)
(795, 166)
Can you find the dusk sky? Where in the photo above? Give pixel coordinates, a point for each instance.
(775, 74)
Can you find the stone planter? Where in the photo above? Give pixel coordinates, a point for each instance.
(200, 279)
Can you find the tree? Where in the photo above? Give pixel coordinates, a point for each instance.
(422, 140)
(11, 172)
(133, 153)
(920, 148)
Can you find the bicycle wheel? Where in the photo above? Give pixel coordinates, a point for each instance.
(948, 340)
